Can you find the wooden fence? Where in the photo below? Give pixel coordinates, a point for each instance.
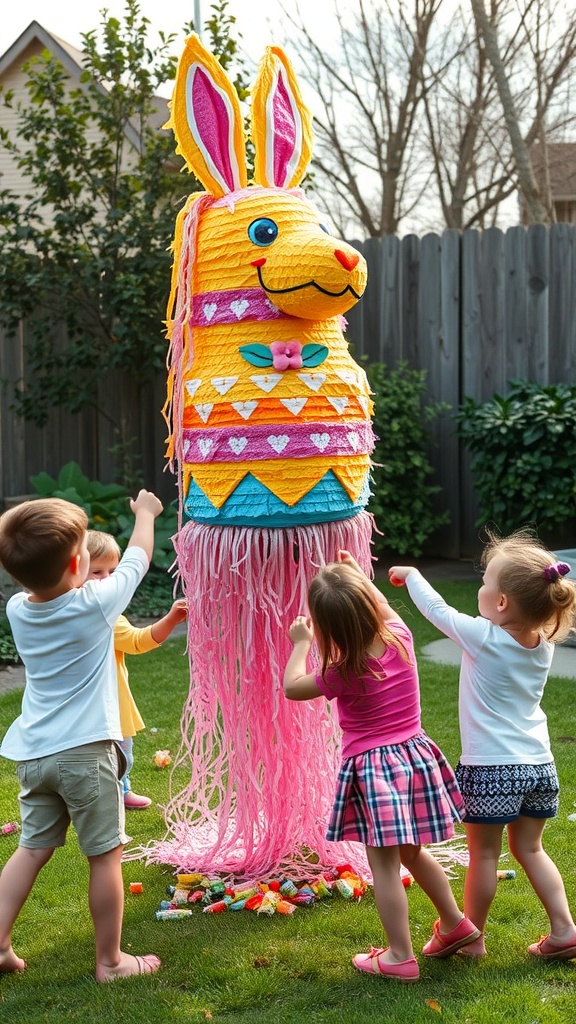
(473, 309)
(99, 438)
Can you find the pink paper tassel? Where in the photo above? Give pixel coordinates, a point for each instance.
(262, 769)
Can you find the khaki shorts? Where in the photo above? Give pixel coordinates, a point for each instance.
(80, 785)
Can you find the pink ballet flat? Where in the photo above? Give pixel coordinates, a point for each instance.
(548, 950)
(405, 971)
(444, 945)
(134, 802)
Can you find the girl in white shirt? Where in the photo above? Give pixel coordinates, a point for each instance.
(506, 772)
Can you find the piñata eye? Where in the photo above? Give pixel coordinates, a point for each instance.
(263, 231)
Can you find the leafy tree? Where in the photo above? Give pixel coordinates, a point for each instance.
(84, 255)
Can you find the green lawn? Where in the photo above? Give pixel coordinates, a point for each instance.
(244, 969)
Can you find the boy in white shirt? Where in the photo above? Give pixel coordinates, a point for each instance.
(65, 740)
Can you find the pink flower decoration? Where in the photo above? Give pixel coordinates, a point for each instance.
(286, 355)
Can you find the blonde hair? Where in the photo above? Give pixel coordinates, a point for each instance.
(547, 605)
(37, 540)
(102, 545)
(346, 618)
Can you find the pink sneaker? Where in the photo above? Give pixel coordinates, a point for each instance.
(406, 970)
(444, 945)
(548, 950)
(133, 802)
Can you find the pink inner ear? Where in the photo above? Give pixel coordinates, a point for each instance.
(212, 119)
(284, 132)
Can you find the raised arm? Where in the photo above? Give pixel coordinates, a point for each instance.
(298, 685)
(388, 613)
(162, 629)
(467, 631)
(146, 507)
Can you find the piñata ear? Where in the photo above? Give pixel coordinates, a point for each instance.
(281, 124)
(206, 119)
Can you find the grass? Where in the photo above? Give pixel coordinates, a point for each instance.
(242, 969)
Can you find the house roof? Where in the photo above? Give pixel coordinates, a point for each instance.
(68, 55)
(561, 157)
(72, 60)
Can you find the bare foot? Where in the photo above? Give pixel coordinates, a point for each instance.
(128, 966)
(9, 962)
(474, 949)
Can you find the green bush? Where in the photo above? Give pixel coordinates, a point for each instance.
(523, 447)
(108, 509)
(402, 494)
(8, 652)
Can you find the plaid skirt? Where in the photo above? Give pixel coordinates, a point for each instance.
(402, 794)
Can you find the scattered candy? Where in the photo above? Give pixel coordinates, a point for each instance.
(501, 875)
(136, 887)
(274, 896)
(9, 827)
(162, 758)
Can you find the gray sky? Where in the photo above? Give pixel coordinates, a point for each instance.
(256, 19)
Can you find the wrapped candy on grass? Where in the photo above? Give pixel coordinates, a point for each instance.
(189, 881)
(180, 896)
(173, 914)
(321, 888)
(288, 887)
(238, 904)
(303, 899)
(254, 902)
(245, 893)
(162, 758)
(9, 827)
(344, 888)
(283, 907)
(194, 897)
(269, 903)
(216, 908)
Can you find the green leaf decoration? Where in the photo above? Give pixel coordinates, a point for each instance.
(256, 355)
(313, 355)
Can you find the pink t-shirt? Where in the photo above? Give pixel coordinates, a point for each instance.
(375, 712)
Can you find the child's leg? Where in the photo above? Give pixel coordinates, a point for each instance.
(484, 846)
(432, 878)
(525, 842)
(16, 881)
(391, 901)
(126, 746)
(106, 899)
(132, 801)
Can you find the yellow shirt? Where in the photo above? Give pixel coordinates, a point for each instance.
(129, 640)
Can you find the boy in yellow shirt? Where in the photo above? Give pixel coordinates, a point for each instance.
(128, 639)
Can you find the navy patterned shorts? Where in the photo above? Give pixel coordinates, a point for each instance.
(498, 793)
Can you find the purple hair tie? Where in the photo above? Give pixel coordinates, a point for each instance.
(554, 572)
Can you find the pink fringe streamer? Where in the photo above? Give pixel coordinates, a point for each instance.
(262, 769)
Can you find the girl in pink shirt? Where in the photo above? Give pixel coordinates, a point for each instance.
(395, 789)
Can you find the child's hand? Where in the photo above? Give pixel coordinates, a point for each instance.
(347, 559)
(179, 610)
(146, 501)
(398, 574)
(301, 630)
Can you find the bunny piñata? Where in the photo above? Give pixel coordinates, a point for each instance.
(272, 436)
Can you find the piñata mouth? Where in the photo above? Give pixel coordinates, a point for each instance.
(306, 284)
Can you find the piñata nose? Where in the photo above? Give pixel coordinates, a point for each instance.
(347, 259)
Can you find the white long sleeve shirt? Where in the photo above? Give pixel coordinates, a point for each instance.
(501, 684)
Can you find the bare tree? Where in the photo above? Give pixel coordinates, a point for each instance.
(487, 32)
(369, 170)
(411, 123)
